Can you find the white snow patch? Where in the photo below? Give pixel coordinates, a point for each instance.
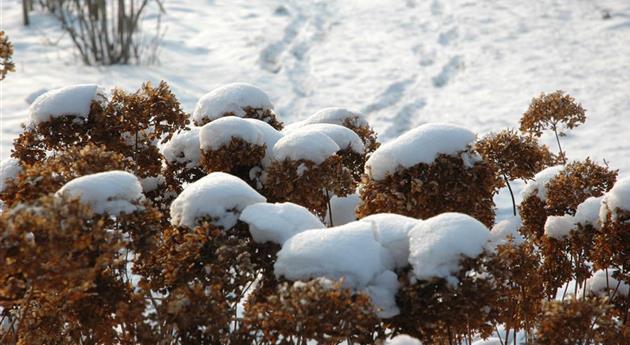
(341, 135)
(489, 341)
(278, 222)
(559, 227)
(112, 192)
(392, 232)
(343, 209)
(309, 145)
(183, 148)
(617, 198)
(219, 196)
(74, 100)
(336, 116)
(587, 212)
(220, 132)
(437, 244)
(152, 183)
(403, 339)
(505, 229)
(230, 99)
(9, 169)
(419, 145)
(538, 186)
(597, 285)
(270, 137)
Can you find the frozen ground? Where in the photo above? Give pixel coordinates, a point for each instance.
(403, 63)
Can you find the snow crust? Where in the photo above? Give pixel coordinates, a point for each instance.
(336, 116)
(403, 339)
(74, 100)
(419, 145)
(597, 285)
(587, 212)
(559, 227)
(392, 232)
(341, 135)
(617, 198)
(437, 244)
(219, 196)
(220, 132)
(278, 222)
(309, 145)
(505, 229)
(9, 169)
(183, 148)
(343, 209)
(349, 252)
(537, 186)
(111, 192)
(230, 99)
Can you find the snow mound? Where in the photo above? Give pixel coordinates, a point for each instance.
(220, 132)
(309, 145)
(419, 145)
(278, 222)
(112, 192)
(74, 100)
(403, 339)
(503, 230)
(392, 232)
(559, 227)
(9, 169)
(349, 252)
(343, 209)
(230, 99)
(183, 148)
(270, 137)
(587, 212)
(437, 244)
(538, 186)
(598, 285)
(336, 116)
(218, 196)
(341, 135)
(618, 198)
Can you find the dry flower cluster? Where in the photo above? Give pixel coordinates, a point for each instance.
(6, 54)
(72, 275)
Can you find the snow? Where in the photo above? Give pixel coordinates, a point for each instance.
(9, 169)
(349, 252)
(587, 212)
(74, 100)
(270, 137)
(218, 196)
(343, 209)
(505, 229)
(537, 186)
(559, 227)
(489, 341)
(278, 222)
(392, 232)
(419, 145)
(309, 145)
(437, 244)
(220, 132)
(111, 192)
(336, 116)
(403, 339)
(618, 198)
(230, 99)
(598, 286)
(183, 148)
(342, 136)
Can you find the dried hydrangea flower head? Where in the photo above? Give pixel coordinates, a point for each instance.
(6, 53)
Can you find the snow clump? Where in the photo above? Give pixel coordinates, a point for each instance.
(310, 145)
(220, 197)
(74, 100)
(183, 148)
(538, 186)
(342, 136)
(403, 339)
(9, 169)
(505, 229)
(392, 232)
(278, 222)
(111, 192)
(220, 132)
(336, 116)
(231, 99)
(419, 145)
(587, 213)
(618, 198)
(600, 285)
(559, 227)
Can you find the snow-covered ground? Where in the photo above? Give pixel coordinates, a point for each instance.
(402, 63)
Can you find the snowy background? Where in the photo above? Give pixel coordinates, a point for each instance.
(402, 63)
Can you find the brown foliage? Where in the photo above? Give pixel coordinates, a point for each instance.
(613, 244)
(426, 190)
(6, 53)
(305, 183)
(365, 132)
(238, 158)
(303, 312)
(548, 111)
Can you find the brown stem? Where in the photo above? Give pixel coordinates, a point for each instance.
(555, 131)
(507, 182)
(330, 215)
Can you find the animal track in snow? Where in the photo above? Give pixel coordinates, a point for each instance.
(448, 72)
